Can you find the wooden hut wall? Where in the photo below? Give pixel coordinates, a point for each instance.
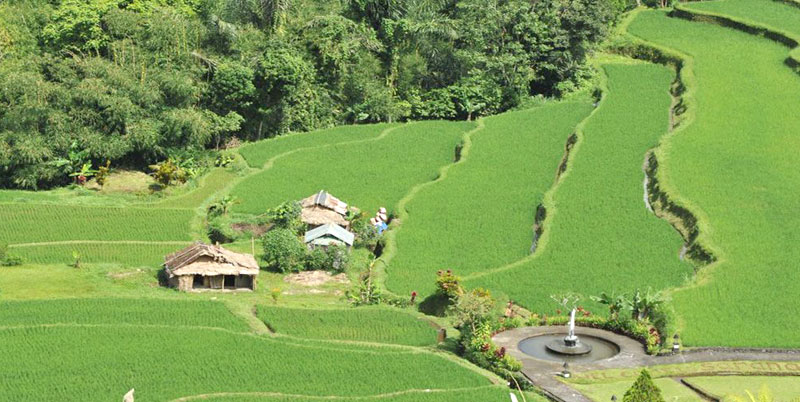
(184, 282)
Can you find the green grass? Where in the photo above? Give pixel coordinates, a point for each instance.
(671, 390)
(366, 174)
(728, 377)
(32, 223)
(600, 237)
(481, 215)
(784, 389)
(32, 282)
(737, 165)
(258, 153)
(767, 12)
(118, 311)
(102, 363)
(132, 255)
(369, 324)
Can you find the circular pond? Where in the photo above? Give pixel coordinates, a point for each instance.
(537, 347)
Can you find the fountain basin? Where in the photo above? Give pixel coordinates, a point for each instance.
(569, 347)
(540, 348)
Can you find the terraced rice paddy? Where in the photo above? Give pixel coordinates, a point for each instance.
(481, 215)
(131, 254)
(367, 324)
(766, 12)
(259, 153)
(736, 165)
(102, 363)
(600, 237)
(117, 311)
(368, 174)
(486, 393)
(35, 223)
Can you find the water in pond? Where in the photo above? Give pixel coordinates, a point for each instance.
(537, 347)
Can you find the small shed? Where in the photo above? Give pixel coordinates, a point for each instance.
(327, 235)
(323, 208)
(205, 266)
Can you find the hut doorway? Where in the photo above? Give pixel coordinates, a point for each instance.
(230, 282)
(198, 282)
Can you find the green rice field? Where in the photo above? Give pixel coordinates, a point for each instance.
(119, 311)
(528, 204)
(367, 174)
(102, 362)
(486, 393)
(739, 186)
(37, 223)
(259, 153)
(386, 325)
(125, 253)
(481, 215)
(597, 212)
(771, 13)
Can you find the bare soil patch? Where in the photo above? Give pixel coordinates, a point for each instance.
(315, 278)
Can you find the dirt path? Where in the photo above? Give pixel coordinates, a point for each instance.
(327, 397)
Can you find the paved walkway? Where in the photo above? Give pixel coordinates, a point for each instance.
(544, 374)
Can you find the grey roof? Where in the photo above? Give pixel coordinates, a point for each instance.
(330, 229)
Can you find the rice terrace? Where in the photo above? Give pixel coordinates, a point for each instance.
(400, 200)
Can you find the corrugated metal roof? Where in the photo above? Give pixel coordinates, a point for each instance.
(330, 229)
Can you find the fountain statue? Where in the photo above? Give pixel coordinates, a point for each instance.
(570, 345)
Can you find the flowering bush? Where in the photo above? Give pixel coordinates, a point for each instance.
(480, 350)
(448, 284)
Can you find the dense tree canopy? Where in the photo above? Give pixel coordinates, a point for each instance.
(134, 81)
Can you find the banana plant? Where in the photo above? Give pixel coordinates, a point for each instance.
(85, 172)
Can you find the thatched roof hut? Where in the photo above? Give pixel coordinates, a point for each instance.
(328, 234)
(205, 266)
(323, 208)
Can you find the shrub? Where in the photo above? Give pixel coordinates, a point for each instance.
(167, 172)
(366, 235)
(472, 309)
(287, 216)
(335, 258)
(448, 284)
(478, 348)
(283, 251)
(101, 177)
(6, 259)
(219, 229)
(316, 259)
(643, 390)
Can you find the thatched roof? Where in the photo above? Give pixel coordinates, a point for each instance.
(209, 260)
(316, 216)
(328, 234)
(325, 200)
